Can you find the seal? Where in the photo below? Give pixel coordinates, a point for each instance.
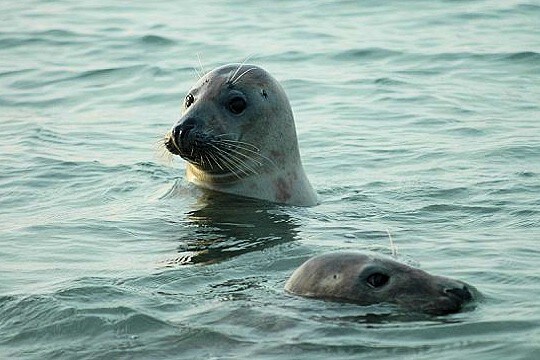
(364, 279)
(237, 133)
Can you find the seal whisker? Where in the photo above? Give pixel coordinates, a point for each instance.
(160, 143)
(246, 156)
(223, 164)
(227, 138)
(203, 157)
(235, 160)
(221, 155)
(210, 158)
(162, 151)
(233, 145)
(168, 142)
(235, 149)
(235, 165)
(230, 79)
(200, 64)
(393, 247)
(238, 143)
(240, 76)
(227, 163)
(213, 157)
(232, 75)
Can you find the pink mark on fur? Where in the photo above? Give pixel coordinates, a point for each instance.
(278, 156)
(283, 190)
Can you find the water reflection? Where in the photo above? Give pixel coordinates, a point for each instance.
(226, 226)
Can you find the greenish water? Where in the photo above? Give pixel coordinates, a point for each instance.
(420, 117)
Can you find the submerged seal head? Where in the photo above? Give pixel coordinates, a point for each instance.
(238, 136)
(362, 279)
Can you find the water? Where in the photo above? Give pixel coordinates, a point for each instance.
(421, 119)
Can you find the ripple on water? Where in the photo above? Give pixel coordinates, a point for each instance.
(418, 121)
(30, 323)
(156, 40)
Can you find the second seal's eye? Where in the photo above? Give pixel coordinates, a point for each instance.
(189, 100)
(237, 105)
(377, 280)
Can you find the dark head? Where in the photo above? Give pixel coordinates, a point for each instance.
(363, 279)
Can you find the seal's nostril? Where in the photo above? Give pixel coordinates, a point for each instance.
(181, 131)
(462, 293)
(184, 132)
(176, 131)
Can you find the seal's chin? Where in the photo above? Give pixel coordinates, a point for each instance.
(182, 140)
(441, 306)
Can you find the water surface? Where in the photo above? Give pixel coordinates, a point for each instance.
(418, 119)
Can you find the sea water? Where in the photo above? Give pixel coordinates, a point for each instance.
(418, 120)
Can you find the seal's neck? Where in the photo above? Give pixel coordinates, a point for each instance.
(285, 184)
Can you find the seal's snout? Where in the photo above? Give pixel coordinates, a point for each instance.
(455, 295)
(171, 143)
(462, 293)
(182, 132)
(181, 137)
(175, 133)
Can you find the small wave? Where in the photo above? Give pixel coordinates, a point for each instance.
(460, 208)
(15, 72)
(529, 7)
(59, 33)
(367, 53)
(389, 81)
(526, 174)
(449, 193)
(108, 72)
(46, 38)
(520, 56)
(517, 151)
(466, 131)
(39, 134)
(33, 323)
(156, 40)
(291, 56)
(524, 55)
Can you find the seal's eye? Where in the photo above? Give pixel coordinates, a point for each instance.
(237, 105)
(377, 280)
(189, 100)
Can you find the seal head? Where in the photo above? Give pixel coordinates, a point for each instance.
(238, 136)
(362, 279)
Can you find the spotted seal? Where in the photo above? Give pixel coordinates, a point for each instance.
(365, 279)
(238, 136)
